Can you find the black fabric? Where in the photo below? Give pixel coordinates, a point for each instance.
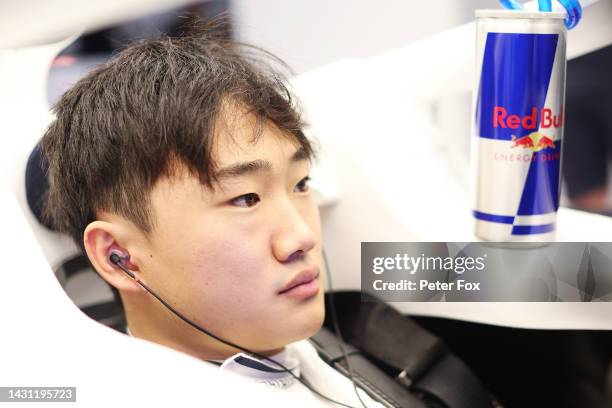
(454, 384)
(530, 368)
(366, 375)
(36, 184)
(391, 328)
(329, 345)
(420, 360)
(587, 139)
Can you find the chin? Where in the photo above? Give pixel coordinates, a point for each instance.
(303, 324)
(311, 321)
(300, 327)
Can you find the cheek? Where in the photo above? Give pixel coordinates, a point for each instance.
(230, 267)
(230, 281)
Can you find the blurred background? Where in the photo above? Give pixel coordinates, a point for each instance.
(310, 34)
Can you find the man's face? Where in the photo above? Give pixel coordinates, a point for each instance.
(224, 257)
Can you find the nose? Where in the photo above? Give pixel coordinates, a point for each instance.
(293, 237)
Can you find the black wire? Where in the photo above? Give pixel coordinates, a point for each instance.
(116, 259)
(332, 307)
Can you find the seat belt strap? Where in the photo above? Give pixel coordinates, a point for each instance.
(366, 375)
(421, 360)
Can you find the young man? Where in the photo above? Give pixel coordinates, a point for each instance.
(185, 156)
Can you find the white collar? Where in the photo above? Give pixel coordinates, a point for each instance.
(264, 371)
(261, 371)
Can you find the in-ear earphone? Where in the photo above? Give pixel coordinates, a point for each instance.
(118, 258)
(118, 255)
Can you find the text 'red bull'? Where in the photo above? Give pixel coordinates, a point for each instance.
(502, 119)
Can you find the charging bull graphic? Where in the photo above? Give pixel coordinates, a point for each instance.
(535, 141)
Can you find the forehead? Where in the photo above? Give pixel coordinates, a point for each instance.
(240, 136)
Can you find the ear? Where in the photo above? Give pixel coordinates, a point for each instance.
(100, 239)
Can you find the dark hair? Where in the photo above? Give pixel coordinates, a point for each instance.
(154, 105)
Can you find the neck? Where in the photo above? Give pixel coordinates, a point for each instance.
(179, 336)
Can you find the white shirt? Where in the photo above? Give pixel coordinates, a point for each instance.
(303, 360)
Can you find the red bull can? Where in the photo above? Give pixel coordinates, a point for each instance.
(517, 132)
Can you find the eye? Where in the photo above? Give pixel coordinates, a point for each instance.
(246, 200)
(302, 186)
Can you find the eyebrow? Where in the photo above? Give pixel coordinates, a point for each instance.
(244, 168)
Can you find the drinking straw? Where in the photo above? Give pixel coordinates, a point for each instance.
(572, 7)
(545, 5)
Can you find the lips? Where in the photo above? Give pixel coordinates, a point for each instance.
(303, 285)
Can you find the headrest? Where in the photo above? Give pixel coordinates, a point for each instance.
(36, 183)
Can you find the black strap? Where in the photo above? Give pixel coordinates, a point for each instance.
(366, 375)
(419, 360)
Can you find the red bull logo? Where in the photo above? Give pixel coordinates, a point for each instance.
(535, 141)
(524, 141)
(545, 119)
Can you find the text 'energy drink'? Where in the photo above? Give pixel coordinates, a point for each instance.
(518, 124)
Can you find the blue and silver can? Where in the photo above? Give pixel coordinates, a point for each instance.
(518, 106)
